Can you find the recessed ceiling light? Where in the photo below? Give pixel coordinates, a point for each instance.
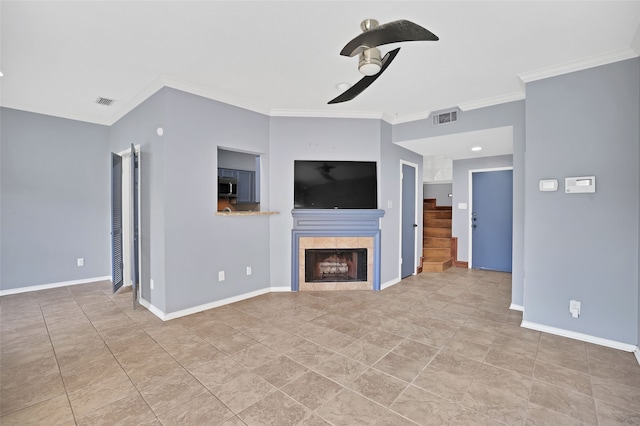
(342, 86)
(1, 75)
(476, 148)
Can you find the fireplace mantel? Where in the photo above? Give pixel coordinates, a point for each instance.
(335, 223)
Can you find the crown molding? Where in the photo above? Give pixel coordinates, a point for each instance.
(45, 111)
(578, 65)
(405, 118)
(324, 114)
(494, 100)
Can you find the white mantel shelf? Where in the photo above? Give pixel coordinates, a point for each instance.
(246, 213)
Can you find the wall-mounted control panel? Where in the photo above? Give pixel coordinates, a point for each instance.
(578, 185)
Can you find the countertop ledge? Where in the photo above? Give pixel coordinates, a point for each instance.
(246, 213)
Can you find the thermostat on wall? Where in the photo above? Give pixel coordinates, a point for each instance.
(575, 185)
(548, 185)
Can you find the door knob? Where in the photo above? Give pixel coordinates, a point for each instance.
(415, 225)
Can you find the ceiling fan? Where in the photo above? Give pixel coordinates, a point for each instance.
(371, 62)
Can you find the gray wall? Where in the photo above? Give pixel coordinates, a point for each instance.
(460, 222)
(508, 114)
(184, 243)
(391, 190)
(584, 246)
(198, 243)
(308, 139)
(139, 127)
(439, 191)
(55, 200)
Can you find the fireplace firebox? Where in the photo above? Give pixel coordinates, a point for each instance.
(335, 265)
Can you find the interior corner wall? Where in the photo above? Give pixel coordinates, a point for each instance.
(54, 200)
(139, 127)
(302, 138)
(198, 243)
(584, 246)
(507, 114)
(391, 156)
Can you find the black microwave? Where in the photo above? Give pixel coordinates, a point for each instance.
(227, 187)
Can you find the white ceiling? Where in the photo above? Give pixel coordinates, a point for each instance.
(496, 141)
(282, 57)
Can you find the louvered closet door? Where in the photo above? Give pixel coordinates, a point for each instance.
(116, 222)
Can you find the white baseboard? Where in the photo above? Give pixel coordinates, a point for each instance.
(194, 310)
(515, 307)
(637, 354)
(52, 285)
(580, 336)
(280, 289)
(152, 308)
(390, 283)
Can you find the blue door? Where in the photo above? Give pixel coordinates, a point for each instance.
(491, 220)
(408, 220)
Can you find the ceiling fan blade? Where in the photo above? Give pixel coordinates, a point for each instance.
(393, 32)
(366, 81)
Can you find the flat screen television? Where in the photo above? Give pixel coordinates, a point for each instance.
(335, 184)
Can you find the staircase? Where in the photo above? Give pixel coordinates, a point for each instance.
(436, 237)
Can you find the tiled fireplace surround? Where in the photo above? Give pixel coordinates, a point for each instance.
(335, 229)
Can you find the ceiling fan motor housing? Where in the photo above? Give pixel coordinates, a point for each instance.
(370, 61)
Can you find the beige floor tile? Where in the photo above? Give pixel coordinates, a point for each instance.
(309, 354)
(400, 366)
(496, 403)
(424, 407)
(341, 369)
(54, 411)
(566, 378)
(277, 409)
(611, 415)
(243, 391)
(203, 410)
(218, 371)
(348, 408)
(312, 390)
(126, 411)
(572, 404)
(451, 335)
(171, 391)
(611, 391)
(280, 371)
(101, 392)
(540, 416)
(379, 387)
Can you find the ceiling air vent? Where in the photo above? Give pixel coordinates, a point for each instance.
(446, 117)
(104, 101)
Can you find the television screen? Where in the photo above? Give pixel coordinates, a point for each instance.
(335, 185)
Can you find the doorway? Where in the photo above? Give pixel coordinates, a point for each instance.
(491, 219)
(125, 224)
(409, 221)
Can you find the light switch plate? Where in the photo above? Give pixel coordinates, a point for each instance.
(548, 185)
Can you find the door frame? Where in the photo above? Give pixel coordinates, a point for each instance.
(416, 253)
(470, 211)
(128, 223)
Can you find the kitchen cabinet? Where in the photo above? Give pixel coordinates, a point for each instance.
(246, 183)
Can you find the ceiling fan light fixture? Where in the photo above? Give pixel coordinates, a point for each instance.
(370, 61)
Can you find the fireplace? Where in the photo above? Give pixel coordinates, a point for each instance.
(335, 265)
(335, 250)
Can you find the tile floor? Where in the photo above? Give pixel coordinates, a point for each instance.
(435, 349)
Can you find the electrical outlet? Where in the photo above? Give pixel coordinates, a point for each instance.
(221, 276)
(574, 308)
(80, 261)
(248, 270)
(151, 283)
